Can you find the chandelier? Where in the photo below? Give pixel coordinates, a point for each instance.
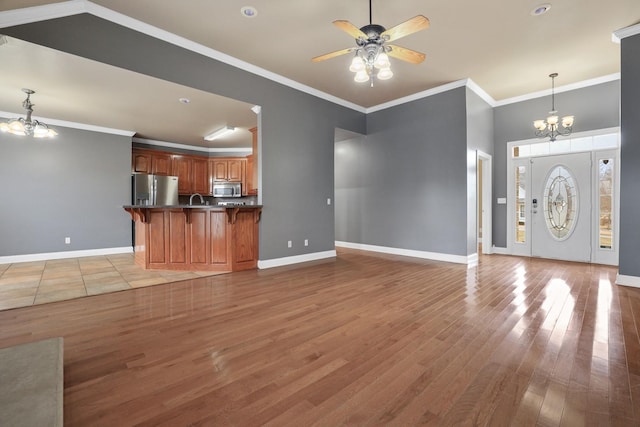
(28, 126)
(552, 126)
(371, 58)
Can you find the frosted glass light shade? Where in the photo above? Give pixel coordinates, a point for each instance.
(361, 76)
(357, 64)
(552, 120)
(385, 74)
(539, 124)
(382, 61)
(567, 121)
(40, 131)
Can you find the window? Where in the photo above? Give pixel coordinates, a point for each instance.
(605, 203)
(560, 202)
(521, 180)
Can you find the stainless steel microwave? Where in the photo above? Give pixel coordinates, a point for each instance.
(227, 189)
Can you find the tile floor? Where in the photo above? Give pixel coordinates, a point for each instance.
(29, 283)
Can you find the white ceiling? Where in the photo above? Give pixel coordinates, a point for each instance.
(497, 43)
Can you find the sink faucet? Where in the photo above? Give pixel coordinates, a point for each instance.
(192, 196)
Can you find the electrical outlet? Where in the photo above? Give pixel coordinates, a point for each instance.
(289, 244)
(329, 201)
(67, 240)
(306, 242)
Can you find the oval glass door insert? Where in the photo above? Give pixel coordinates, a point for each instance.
(560, 203)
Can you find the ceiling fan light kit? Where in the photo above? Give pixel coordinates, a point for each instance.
(372, 53)
(549, 127)
(28, 126)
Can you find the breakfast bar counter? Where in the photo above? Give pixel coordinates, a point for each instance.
(196, 237)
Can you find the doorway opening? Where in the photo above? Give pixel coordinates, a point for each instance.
(484, 212)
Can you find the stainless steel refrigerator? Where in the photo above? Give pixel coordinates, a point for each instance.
(156, 190)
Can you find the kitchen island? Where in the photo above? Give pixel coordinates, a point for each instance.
(196, 237)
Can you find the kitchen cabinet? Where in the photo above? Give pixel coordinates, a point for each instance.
(200, 182)
(252, 165)
(145, 161)
(228, 169)
(182, 169)
(140, 162)
(192, 173)
(195, 173)
(161, 164)
(207, 238)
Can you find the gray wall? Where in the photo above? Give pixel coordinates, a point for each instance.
(629, 264)
(479, 137)
(404, 185)
(595, 107)
(73, 186)
(297, 128)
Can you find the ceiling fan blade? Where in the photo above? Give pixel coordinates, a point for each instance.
(415, 24)
(333, 54)
(350, 29)
(405, 54)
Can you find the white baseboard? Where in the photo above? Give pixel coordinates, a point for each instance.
(279, 262)
(66, 254)
(499, 251)
(633, 281)
(458, 259)
(472, 260)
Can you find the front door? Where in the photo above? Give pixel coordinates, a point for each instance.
(560, 200)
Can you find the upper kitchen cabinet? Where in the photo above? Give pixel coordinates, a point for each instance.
(192, 173)
(252, 164)
(182, 169)
(200, 176)
(228, 169)
(143, 161)
(140, 162)
(161, 164)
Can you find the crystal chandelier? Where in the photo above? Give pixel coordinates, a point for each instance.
(27, 125)
(368, 59)
(552, 126)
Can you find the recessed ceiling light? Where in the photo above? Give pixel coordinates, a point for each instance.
(541, 9)
(184, 100)
(248, 11)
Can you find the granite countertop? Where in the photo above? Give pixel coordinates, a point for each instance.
(191, 206)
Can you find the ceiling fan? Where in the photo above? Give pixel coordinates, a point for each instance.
(372, 51)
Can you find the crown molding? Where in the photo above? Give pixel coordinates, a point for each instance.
(417, 95)
(75, 7)
(28, 15)
(167, 144)
(481, 93)
(150, 30)
(559, 89)
(622, 33)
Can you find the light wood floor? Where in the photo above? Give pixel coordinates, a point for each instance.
(364, 339)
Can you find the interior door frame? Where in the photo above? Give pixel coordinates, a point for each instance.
(487, 212)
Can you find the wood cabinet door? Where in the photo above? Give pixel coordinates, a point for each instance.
(249, 188)
(200, 176)
(141, 162)
(161, 164)
(182, 169)
(234, 170)
(219, 170)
